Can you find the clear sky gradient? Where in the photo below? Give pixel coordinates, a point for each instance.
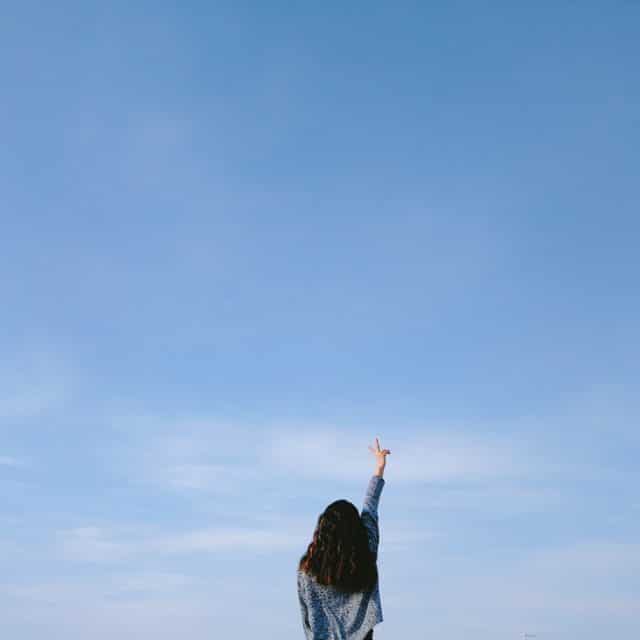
(241, 239)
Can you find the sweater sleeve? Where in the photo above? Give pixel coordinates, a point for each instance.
(304, 611)
(369, 514)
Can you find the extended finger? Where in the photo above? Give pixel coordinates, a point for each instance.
(378, 444)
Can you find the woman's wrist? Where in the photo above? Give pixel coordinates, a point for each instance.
(379, 471)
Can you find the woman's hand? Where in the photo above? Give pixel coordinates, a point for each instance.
(381, 457)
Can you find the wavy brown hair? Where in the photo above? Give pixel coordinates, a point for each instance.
(339, 554)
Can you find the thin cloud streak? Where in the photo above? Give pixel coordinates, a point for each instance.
(186, 454)
(7, 461)
(91, 544)
(32, 385)
(429, 457)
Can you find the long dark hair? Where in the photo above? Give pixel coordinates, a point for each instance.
(339, 554)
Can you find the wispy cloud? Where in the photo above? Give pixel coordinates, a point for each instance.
(430, 456)
(94, 545)
(214, 540)
(186, 454)
(121, 585)
(493, 498)
(587, 578)
(8, 461)
(33, 384)
(161, 605)
(30, 399)
(106, 545)
(207, 477)
(541, 590)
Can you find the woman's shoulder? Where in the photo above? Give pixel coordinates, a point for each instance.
(302, 575)
(310, 581)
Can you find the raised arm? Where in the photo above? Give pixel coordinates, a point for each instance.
(369, 513)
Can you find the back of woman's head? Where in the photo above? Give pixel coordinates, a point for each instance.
(339, 553)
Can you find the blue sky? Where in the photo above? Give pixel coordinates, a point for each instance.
(240, 240)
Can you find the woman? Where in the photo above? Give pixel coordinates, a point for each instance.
(338, 574)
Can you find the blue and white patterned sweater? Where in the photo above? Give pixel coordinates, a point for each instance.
(328, 614)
